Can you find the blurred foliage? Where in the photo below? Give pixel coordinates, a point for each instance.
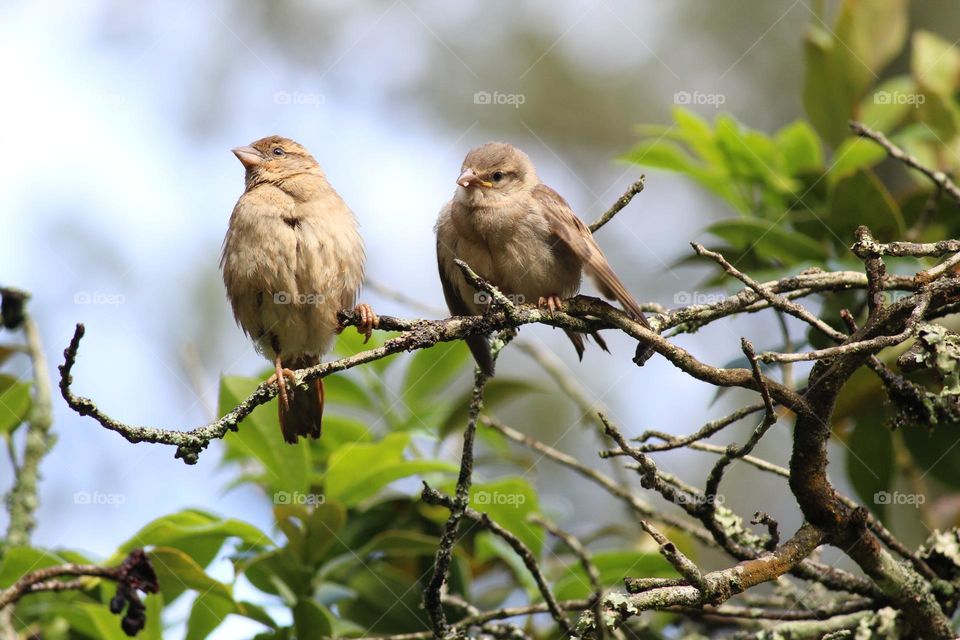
(352, 545)
(800, 193)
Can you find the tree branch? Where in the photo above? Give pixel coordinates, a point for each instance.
(938, 178)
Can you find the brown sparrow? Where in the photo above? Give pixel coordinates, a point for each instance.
(521, 236)
(292, 259)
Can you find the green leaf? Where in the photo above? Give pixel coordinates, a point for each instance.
(862, 199)
(339, 431)
(317, 531)
(313, 621)
(870, 464)
(942, 116)
(768, 240)
(401, 544)
(208, 612)
(432, 370)
(497, 393)
(841, 63)
(197, 533)
(20, 560)
(854, 155)
(665, 155)
(613, 566)
(14, 402)
(828, 95)
(873, 33)
(800, 147)
(350, 343)
(176, 571)
(489, 547)
(361, 471)
(935, 63)
(385, 582)
(343, 389)
(94, 620)
(890, 103)
(662, 154)
(286, 467)
(935, 451)
(699, 136)
(509, 502)
(751, 155)
(278, 573)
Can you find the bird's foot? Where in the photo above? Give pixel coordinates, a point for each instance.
(367, 321)
(280, 378)
(553, 303)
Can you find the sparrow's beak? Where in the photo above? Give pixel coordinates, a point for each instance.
(469, 178)
(248, 156)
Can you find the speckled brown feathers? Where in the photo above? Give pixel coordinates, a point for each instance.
(292, 258)
(520, 235)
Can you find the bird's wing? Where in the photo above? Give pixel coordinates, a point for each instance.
(572, 232)
(479, 345)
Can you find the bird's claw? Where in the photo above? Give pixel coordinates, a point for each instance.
(552, 303)
(280, 378)
(368, 321)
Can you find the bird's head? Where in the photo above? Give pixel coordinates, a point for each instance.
(275, 159)
(494, 171)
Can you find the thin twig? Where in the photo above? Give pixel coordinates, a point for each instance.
(22, 500)
(432, 496)
(617, 206)
(862, 346)
(583, 555)
(431, 596)
(939, 178)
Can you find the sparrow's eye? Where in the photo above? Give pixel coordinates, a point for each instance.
(277, 151)
(497, 176)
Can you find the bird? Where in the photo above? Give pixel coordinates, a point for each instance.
(292, 259)
(521, 236)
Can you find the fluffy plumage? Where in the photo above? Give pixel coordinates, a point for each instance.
(521, 236)
(292, 258)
